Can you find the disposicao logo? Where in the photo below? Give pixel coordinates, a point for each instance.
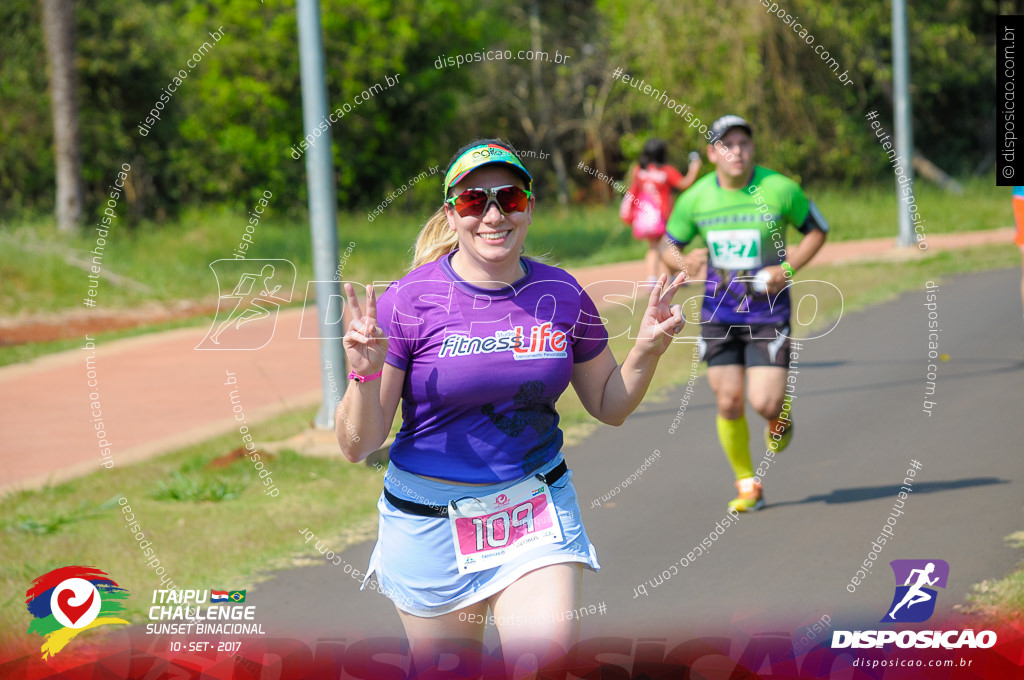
(916, 577)
(913, 602)
(66, 601)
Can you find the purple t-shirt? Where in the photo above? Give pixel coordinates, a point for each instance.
(484, 368)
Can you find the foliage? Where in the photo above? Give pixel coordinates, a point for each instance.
(26, 134)
(224, 136)
(735, 57)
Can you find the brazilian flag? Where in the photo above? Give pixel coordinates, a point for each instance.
(237, 596)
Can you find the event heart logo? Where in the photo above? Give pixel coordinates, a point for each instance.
(75, 603)
(69, 600)
(73, 612)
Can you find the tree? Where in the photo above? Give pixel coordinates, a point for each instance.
(59, 27)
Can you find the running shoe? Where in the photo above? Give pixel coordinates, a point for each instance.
(783, 427)
(751, 496)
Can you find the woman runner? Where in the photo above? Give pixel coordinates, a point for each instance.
(479, 511)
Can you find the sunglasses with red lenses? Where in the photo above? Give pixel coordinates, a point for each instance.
(474, 202)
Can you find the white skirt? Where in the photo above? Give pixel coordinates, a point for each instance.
(415, 560)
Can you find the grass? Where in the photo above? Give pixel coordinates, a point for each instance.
(873, 212)
(197, 488)
(55, 521)
(999, 601)
(210, 528)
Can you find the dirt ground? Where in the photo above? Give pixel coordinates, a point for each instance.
(76, 323)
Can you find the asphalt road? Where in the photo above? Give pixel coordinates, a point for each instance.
(859, 424)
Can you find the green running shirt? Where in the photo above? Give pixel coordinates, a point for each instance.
(745, 231)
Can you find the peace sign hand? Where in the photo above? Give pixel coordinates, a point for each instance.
(365, 344)
(662, 321)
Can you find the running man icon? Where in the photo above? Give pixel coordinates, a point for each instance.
(916, 577)
(915, 594)
(258, 289)
(249, 308)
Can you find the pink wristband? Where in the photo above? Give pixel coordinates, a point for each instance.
(364, 378)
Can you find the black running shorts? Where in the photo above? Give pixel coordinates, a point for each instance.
(722, 344)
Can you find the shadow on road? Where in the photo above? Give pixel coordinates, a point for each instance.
(867, 493)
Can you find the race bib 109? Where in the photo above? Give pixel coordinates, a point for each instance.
(491, 530)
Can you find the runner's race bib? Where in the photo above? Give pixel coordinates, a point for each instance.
(734, 248)
(491, 530)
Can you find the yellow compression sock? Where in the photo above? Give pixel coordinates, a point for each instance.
(734, 437)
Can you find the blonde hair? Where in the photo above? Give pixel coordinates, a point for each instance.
(436, 239)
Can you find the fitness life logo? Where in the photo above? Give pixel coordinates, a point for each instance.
(66, 601)
(914, 601)
(537, 342)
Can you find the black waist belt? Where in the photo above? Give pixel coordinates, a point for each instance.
(424, 510)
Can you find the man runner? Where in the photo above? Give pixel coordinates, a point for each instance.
(741, 211)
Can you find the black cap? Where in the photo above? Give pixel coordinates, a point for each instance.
(726, 123)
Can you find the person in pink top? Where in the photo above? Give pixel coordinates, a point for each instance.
(651, 188)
